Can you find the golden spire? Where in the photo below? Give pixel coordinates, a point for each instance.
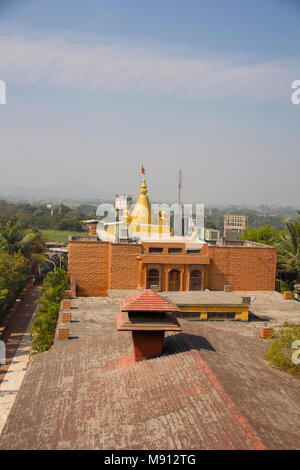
(144, 189)
(142, 212)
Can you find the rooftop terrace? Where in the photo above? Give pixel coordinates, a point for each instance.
(210, 389)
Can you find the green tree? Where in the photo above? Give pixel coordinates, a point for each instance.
(288, 248)
(10, 238)
(14, 271)
(44, 325)
(30, 244)
(267, 235)
(43, 328)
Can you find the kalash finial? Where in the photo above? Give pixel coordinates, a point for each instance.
(143, 189)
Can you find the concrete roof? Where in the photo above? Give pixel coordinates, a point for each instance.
(211, 389)
(204, 298)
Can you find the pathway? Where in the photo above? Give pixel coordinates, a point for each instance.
(17, 340)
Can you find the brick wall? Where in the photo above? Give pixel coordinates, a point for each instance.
(89, 264)
(124, 266)
(246, 268)
(98, 266)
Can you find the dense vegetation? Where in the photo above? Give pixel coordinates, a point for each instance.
(288, 249)
(267, 235)
(280, 352)
(63, 217)
(256, 218)
(41, 216)
(13, 277)
(20, 252)
(44, 325)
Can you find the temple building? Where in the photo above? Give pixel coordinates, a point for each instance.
(141, 223)
(153, 258)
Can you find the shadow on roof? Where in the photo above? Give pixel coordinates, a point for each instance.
(182, 342)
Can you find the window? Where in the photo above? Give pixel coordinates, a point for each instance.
(195, 280)
(155, 250)
(174, 280)
(174, 250)
(152, 278)
(221, 316)
(190, 252)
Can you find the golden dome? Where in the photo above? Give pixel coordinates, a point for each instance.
(142, 212)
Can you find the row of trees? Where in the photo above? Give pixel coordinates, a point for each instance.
(256, 218)
(13, 277)
(41, 216)
(44, 325)
(63, 217)
(20, 252)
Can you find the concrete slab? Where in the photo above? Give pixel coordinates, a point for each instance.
(13, 376)
(10, 385)
(92, 316)
(203, 298)
(95, 316)
(271, 307)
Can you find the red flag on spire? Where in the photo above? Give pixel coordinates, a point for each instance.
(143, 170)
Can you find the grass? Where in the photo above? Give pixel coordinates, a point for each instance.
(61, 236)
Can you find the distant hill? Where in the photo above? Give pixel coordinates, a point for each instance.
(77, 192)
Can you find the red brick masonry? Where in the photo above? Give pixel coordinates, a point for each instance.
(148, 316)
(98, 266)
(147, 344)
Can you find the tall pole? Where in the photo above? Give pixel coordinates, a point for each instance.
(180, 184)
(180, 179)
(118, 226)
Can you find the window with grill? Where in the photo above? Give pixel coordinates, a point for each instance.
(174, 250)
(155, 250)
(174, 280)
(195, 280)
(152, 278)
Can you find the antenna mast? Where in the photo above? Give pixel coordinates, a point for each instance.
(180, 181)
(180, 184)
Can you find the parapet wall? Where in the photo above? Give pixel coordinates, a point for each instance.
(245, 267)
(124, 266)
(98, 266)
(89, 264)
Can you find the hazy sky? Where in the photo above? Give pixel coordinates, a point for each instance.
(97, 88)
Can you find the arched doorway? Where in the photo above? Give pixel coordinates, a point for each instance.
(174, 280)
(153, 278)
(195, 280)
